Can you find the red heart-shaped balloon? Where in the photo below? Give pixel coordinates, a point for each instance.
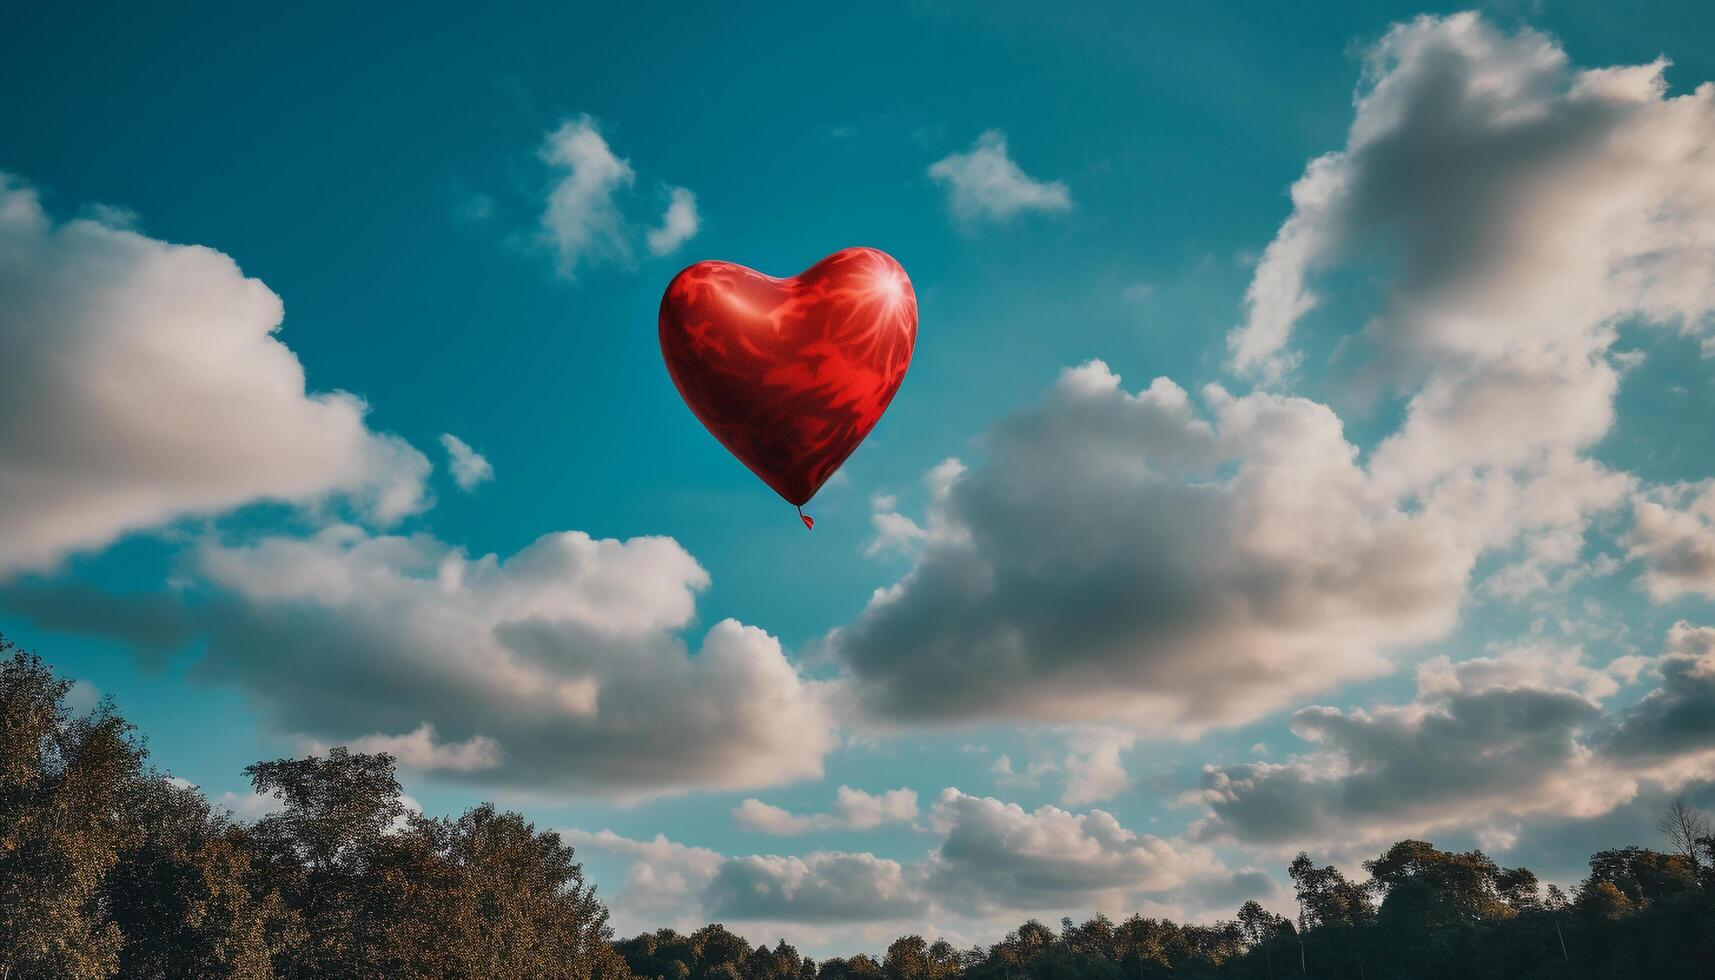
(790, 374)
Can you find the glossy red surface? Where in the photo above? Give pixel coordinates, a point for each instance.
(790, 374)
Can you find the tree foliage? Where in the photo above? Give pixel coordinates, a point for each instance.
(108, 869)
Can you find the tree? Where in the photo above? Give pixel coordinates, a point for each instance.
(520, 904)
(1261, 929)
(332, 805)
(663, 954)
(1687, 830)
(380, 892)
(65, 787)
(907, 959)
(783, 962)
(717, 947)
(1518, 888)
(1436, 888)
(1328, 903)
(180, 896)
(1641, 876)
(1326, 897)
(859, 967)
(316, 852)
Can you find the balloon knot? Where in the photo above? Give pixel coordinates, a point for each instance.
(809, 522)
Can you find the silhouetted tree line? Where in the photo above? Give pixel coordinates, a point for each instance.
(107, 869)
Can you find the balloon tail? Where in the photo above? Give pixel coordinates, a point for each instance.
(809, 522)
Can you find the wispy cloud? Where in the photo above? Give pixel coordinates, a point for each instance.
(853, 809)
(984, 183)
(678, 225)
(584, 221)
(469, 467)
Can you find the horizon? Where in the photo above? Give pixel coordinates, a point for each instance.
(1300, 451)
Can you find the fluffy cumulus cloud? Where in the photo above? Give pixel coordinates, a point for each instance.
(1533, 205)
(1127, 557)
(1534, 208)
(998, 857)
(584, 222)
(1486, 746)
(984, 184)
(992, 862)
(1094, 770)
(670, 883)
(818, 887)
(143, 382)
(469, 467)
(1673, 536)
(853, 809)
(557, 669)
(1674, 724)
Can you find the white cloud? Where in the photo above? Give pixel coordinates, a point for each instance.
(82, 697)
(864, 811)
(766, 818)
(853, 809)
(992, 863)
(678, 225)
(1674, 725)
(896, 533)
(585, 222)
(557, 669)
(1125, 558)
(419, 749)
(244, 806)
(141, 382)
(1487, 745)
(664, 881)
(1532, 207)
(1673, 534)
(249, 806)
(1094, 770)
(582, 221)
(998, 857)
(822, 886)
(1526, 665)
(675, 884)
(470, 468)
(1549, 562)
(1005, 775)
(1532, 204)
(984, 183)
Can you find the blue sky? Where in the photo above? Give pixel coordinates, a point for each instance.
(1456, 502)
